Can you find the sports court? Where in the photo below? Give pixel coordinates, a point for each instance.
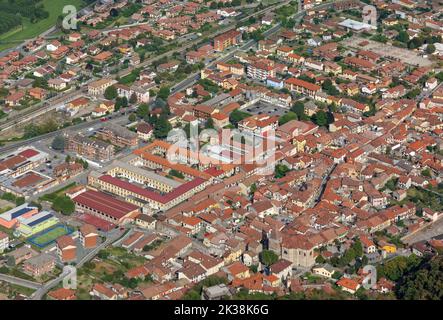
(48, 236)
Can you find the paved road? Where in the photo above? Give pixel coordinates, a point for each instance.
(38, 295)
(20, 282)
(113, 236)
(96, 123)
(186, 83)
(39, 109)
(34, 113)
(42, 290)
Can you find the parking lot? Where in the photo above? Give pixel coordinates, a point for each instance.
(265, 108)
(388, 51)
(434, 230)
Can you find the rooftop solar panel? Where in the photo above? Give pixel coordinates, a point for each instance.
(39, 220)
(20, 212)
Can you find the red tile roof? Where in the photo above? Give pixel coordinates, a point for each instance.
(151, 194)
(303, 84)
(105, 203)
(29, 153)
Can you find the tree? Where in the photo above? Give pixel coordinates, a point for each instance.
(320, 259)
(337, 275)
(236, 116)
(176, 173)
(133, 99)
(132, 117)
(64, 204)
(268, 257)
(306, 78)
(329, 117)
(329, 88)
(111, 93)
(430, 49)
(162, 127)
(280, 171)
(320, 118)
(113, 12)
(121, 102)
(415, 43)
(209, 123)
(347, 258)
(287, 117)
(58, 143)
(392, 184)
(253, 268)
(426, 173)
(299, 109)
(413, 93)
(19, 201)
(396, 268)
(163, 93)
(143, 110)
(403, 36)
(195, 292)
(358, 248)
(84, 163)
(103, 254)
(423, 283)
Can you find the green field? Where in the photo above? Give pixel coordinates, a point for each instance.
(50, 197)
(49, 236)
(45, 238)
(31, 30)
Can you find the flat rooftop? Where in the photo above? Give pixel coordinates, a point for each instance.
(266, 108)
(145, 173)
(356, 25)
(36, 218)
(16, 212)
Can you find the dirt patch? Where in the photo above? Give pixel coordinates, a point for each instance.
(104, 267)
(18, 131)
(388, 51)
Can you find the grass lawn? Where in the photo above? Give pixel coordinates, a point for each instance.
(51, 196)
(105, 267)
(31, 30)
(122, 259)
(9, 232)
(269, 2)
(4, 209)
(23, 290)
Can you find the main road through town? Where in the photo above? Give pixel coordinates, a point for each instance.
(178, 87)
(38, 110)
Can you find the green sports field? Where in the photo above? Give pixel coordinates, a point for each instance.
(31, 30)
(47, 237)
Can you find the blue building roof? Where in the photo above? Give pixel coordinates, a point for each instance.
(40, 220)
(20, 212)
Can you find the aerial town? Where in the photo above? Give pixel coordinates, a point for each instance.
(222, 150)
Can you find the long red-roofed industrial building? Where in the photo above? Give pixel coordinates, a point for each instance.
(142, 196)
(105, 207)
